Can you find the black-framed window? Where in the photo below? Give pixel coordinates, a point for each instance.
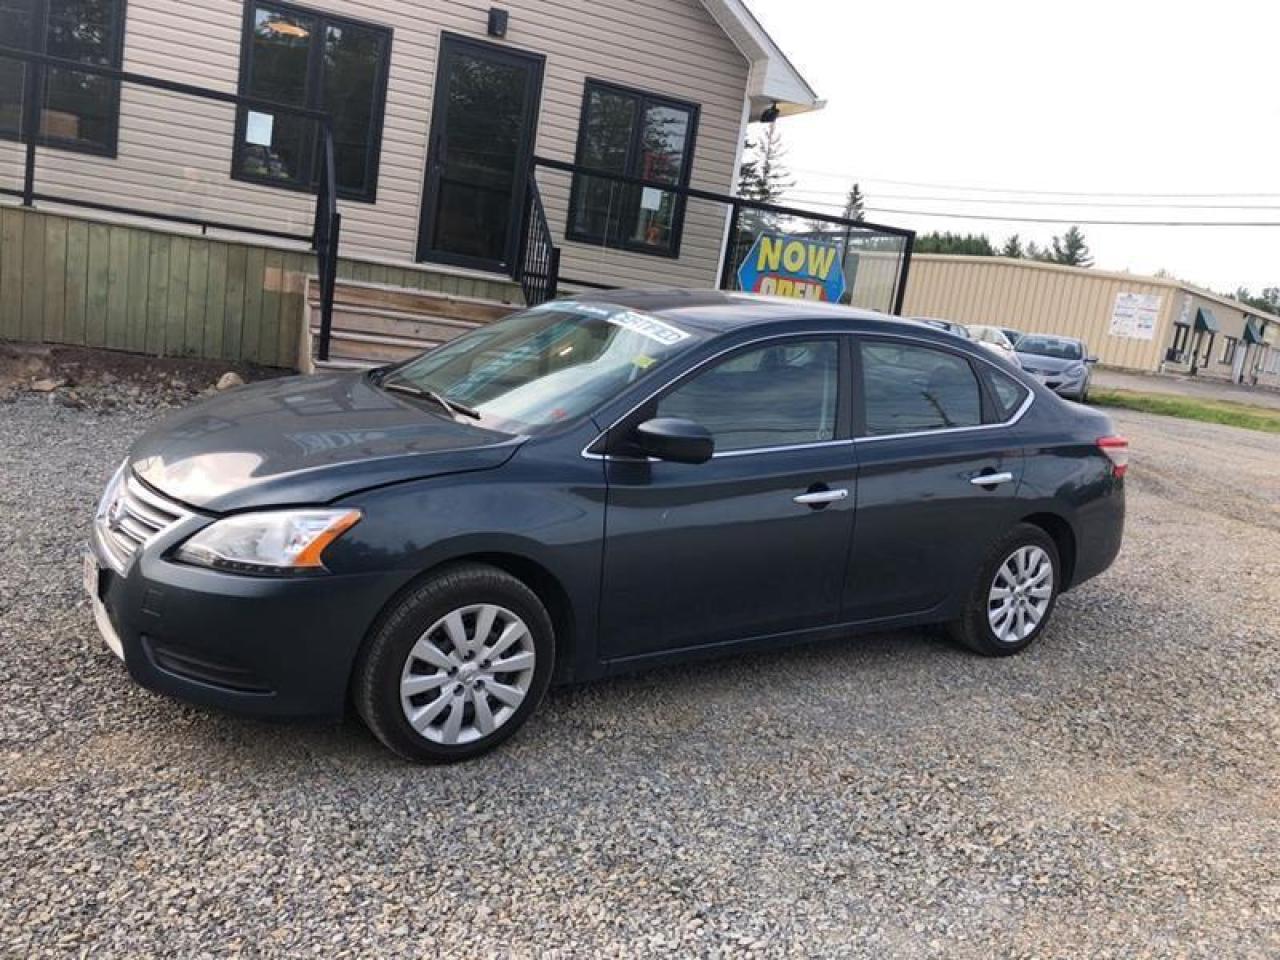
(1181, 333)
(297, 57)
(635, 134)
(76, 111)
(1229, 349)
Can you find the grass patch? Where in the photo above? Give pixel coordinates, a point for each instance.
(1191, 408)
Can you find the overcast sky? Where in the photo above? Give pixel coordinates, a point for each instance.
(1121, 97)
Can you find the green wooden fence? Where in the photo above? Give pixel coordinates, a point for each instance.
(68, 280)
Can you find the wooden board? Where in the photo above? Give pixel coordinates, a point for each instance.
(69, 279)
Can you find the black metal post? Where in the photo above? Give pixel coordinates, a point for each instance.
(903, 274)
(553, 273)
(34, 79)
(328, 279)
(730, 250)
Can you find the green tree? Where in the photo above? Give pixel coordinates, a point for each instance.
(1268, 300)
(1070, 249)
(969, 244)
(1012, 248)
(853, 204)
(763, 176)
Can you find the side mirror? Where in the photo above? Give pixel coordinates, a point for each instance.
(674, 439)
(1090, 359)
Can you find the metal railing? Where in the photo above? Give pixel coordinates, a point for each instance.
(830, 226)
(326, 224)
(538, 265)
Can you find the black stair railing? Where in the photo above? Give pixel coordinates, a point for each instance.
(538, 266)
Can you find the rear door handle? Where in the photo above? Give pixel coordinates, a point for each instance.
(991, 479)
(820, 497)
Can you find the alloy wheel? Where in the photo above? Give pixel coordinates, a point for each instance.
(467, 674)
(1020, 594)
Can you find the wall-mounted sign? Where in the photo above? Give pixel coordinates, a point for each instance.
(1135, 315)
(783, 266)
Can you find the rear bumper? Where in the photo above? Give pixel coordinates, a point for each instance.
(249, 645)
(1099, 530)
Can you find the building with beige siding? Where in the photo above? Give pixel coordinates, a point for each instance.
(1130, 322)
(438, 108)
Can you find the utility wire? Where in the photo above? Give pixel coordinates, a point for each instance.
(812, 195)
(1084, 223)
(851, 178)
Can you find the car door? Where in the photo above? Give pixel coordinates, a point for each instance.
(754, 541)
(939, 469)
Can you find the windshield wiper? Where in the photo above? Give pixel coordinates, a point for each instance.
(413, 390)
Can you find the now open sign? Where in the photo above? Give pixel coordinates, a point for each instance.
(783, 266)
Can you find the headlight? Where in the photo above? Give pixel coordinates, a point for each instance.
(112, 492)
(1075, 370)
(271, 542)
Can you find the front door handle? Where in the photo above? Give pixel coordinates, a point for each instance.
(991, 479)
(820, 497)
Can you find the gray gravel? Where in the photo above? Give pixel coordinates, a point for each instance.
(1111, 793)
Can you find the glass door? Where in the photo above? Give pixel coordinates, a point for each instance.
(482, 133)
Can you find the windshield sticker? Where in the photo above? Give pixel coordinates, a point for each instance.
(643, 362)
(647, 326)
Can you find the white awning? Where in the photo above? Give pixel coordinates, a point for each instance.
(773, 79)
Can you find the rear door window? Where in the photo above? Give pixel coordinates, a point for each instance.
(908, 388)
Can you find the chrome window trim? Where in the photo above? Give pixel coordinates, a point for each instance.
(1026, 405)
(1018, 415)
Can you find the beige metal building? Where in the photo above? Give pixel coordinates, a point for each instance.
(1130, 322)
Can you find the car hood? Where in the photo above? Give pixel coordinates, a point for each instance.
(1042, 364)
(306, 440)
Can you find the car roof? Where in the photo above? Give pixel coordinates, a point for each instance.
(722, 311)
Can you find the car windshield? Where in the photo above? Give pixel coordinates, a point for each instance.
(1054, 347)
(543, 366)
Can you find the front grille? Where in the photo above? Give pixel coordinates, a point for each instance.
(133, 517)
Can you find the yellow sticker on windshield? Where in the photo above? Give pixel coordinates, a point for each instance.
(643, 362)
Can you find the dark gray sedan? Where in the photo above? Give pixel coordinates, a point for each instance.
(590, 487)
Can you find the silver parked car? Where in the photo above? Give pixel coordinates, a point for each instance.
(1063, 364)
(994, 339)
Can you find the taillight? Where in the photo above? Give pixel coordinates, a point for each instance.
(1117, 451)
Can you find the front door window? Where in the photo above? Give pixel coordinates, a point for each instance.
(780, 395)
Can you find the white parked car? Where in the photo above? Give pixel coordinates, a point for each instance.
(993, 339)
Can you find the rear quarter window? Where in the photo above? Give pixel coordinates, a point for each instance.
(1008, 394)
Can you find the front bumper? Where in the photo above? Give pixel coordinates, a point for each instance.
(253, 645)
(1071, 387)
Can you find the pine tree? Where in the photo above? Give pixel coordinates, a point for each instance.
(763, 176)
(969, 244)
(1012, 248)
(1070, 249)
(1034, 252)
(853, 204)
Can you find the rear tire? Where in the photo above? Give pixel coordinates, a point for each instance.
(456, 666)
(1013, 595)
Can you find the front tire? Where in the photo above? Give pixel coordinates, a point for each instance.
(1013, 595)
(456, 666)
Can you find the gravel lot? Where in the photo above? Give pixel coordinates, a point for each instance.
(1111, 793)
